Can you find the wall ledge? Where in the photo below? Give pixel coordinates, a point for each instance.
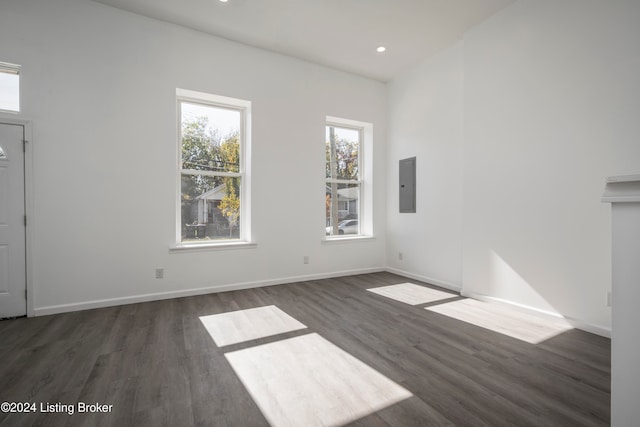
(622, 189)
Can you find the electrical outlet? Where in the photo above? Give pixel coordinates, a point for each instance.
(608, 298)
(400, 256)
(159, 273)
(306, 259)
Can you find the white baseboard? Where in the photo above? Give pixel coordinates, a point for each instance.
(110, 302)
(576, 323)
(430, 280)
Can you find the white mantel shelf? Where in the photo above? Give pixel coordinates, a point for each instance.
(622, 189)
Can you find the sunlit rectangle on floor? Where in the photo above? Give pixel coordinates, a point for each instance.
(410, 293)
(525, 325)
(308, 381)
(245, 325)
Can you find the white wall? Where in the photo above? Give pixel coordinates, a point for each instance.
(514, 130)
(99, 85)
(550, 105)
(551, 108)
(425, 121)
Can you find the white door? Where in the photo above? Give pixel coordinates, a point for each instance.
(13, 280)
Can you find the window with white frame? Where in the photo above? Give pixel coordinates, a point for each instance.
(344, 179)
(213, 151)
(9, 87)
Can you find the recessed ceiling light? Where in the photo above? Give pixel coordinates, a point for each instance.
(381, 49)
(224, 1)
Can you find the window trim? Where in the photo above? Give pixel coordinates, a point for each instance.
(364, 181)
(244, 173)
(14, 69)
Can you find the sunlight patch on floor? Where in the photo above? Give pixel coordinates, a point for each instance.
(525, 325)
(308, 381)
(412, 294)
(245, 325)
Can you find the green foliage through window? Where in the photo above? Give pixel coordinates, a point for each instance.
(210, 193)
(342, 187)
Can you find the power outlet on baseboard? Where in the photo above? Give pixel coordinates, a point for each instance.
(159, 273)
(305, 259)
(400, 256)
(608, 301)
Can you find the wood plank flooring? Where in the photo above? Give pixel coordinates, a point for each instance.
(157, 364)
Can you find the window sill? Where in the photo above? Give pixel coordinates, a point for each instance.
(351, 239)
(204, 247)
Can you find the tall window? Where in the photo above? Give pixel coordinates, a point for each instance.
(9, 87)
(212, 169)
(344, 180)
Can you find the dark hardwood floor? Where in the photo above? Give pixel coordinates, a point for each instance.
(157, 365)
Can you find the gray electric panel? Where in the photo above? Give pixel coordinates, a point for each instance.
(408, 185)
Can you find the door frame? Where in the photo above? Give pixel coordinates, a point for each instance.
(27, 132)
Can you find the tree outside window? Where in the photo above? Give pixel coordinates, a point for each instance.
(211, 172)
(343, 180)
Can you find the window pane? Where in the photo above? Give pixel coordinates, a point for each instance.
(342, 209)
(210, 138)
(210, 208)
(9, 91)
(341, 153)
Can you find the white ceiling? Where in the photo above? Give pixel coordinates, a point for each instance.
(341, 34)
